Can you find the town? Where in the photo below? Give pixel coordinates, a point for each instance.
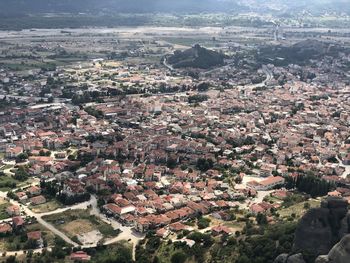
(125, 147)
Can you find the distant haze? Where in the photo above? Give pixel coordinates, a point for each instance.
(11, 7)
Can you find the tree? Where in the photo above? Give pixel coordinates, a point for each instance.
(21, 174)
(203, 223)
(11, 259)
(21, 157)
(204, 86)
(261, 219)
(178, 257)
(171, 163)
(307, 206)
(204, 164)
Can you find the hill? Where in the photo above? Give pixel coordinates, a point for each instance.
(196, 57)
(10, 7)
(299, 53)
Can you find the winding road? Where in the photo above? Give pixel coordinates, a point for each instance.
(126, 232)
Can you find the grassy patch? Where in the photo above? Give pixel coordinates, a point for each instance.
(118, 252)
(298, 209)
(7, 183)
(47, 235)
(3, 205)
(16, 242)
(78, 227)
(74, 222)
(47, 207)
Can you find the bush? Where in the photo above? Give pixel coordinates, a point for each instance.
(178, 257)
(203, 223)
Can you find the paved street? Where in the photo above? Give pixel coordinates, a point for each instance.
(126, 232)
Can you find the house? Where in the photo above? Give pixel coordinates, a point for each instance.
(34, 190)
(73, 187)
(176, 227)
(5, 228)
(80, 256)
(118, 211)
(13, 210)
(22, 197)
(266, 184)
(334, 193)
(17, 222)
(13, 152)
(142, 224)
(38, 200)
(189, 242)
(36, 236)
(221, 230)
(262, 207)
(346, 160)
(280, 194)
(162, 232)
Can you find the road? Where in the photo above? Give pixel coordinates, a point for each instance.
(346, 173)
(56, 100)
(165, 63)
(126, 232)
(38, 217)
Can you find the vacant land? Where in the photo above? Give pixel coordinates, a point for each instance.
(7, 183)
(78, 227)
(48, 236)
(298, 209)
(76, 222)
(16, 242)
(47, 207)
(3, 205)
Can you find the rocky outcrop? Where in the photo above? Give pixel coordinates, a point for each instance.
(196, 57)
(318, 232)
(320, 228)
(340, 253)
(322, 259)
(285, 258)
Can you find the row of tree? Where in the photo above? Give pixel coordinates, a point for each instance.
(311, 185)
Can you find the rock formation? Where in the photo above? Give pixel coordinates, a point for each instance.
(319, 230)
(285, 258)
(196, 57)
(340, 253)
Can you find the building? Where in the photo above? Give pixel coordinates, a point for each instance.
(38, 200)
(13, 210)
(267, 184)
(119, 211)
(18, 222)
(5, 228)
(34, 190)
(36, 236)
(80, 256)
(13, 152)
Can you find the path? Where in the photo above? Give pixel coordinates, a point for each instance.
(126, 232)
(346, 173)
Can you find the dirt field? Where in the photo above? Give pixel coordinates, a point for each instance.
(47, 207)
(78, 227)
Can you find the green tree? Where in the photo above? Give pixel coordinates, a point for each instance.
(178, 257)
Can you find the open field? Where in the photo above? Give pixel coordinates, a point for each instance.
(7, 183)
(48, 236)
(78, 227)
(3, 205)
(47, 207)
(298, 209)
(75, 222)
(16, 242)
